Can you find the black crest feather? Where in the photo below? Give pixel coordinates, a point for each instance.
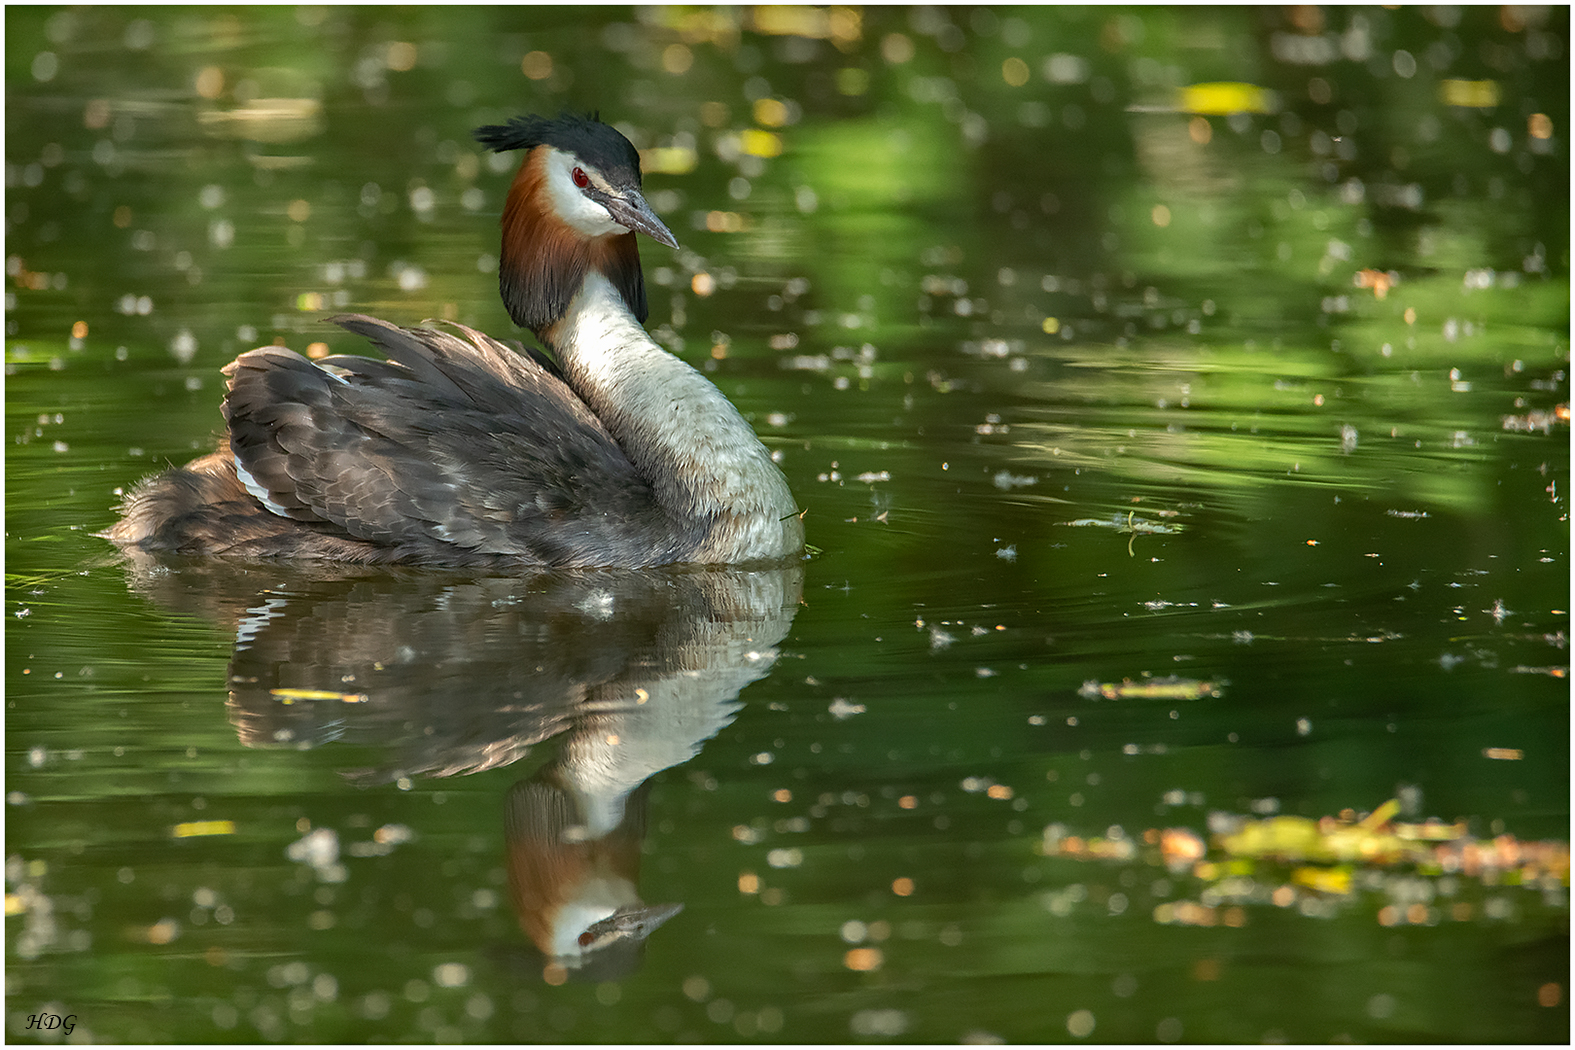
(584, 136)
(539, 273)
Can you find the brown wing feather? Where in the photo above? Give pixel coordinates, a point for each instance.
(455, 441)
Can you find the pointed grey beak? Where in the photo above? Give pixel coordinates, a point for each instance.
(635, 214)
(631, 923)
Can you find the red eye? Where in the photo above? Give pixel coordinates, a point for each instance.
(580, 178)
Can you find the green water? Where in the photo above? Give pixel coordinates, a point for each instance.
(1076, 384)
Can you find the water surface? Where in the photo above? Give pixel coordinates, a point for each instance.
(1179, 404)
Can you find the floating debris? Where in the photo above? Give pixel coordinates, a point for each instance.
(383, 841)
(1469, 94)
(1006, 480)
(1128, 524)
(1169, 688)
(1320, 865)
(1551, 672)
(1216, 100)
(841, 709)
(266, 120)
(863, 959)
(1181, 847)
(290, 696)
(1538, 419)
(975, 785)
(198, 828)
(162, 932)
(1113, 845)
(1379, 281)
(319, 850)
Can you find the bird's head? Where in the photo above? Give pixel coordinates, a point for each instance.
(575, 206)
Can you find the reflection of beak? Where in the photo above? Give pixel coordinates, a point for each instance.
(630, 924)
(634, 213)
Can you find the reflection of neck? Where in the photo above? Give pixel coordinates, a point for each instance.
(634, 731)
(702, 459)
(610, 755)
(599, 784)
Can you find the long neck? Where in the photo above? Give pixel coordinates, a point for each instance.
(673, 424)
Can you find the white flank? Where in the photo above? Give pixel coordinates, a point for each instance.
(678, 427)
(255, 489)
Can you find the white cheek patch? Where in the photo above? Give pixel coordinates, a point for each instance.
(571, 205)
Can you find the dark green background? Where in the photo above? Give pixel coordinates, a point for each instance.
(1328, 503)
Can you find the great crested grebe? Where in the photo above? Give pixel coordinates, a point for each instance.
(458, 449)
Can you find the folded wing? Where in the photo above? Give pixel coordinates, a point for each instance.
(455, 441)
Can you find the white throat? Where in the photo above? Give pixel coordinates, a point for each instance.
(676, 427)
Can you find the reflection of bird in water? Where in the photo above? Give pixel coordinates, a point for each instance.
(458, 450)
(575, 831)
(575, 885)
(419, 672)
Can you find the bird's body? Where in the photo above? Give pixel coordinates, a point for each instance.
(460, 450)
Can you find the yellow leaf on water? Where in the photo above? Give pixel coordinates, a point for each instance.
(1324, 880)
(289, 696)
(1281, 836)
(196, 828)
(759, 143)
(1223, 98)
(1380, 816)
(1469, 94)
(1159, 689)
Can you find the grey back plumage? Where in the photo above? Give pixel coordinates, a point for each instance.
(456, 445)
